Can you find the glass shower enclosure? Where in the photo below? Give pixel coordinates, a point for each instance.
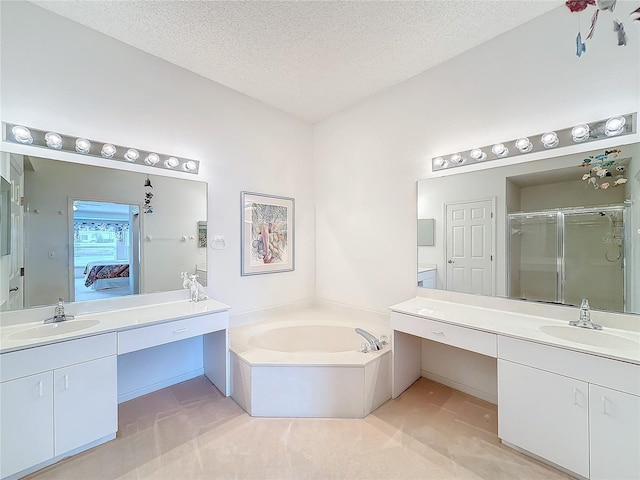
(565, 255)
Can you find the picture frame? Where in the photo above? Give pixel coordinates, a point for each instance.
(202, 234)
(268, 234)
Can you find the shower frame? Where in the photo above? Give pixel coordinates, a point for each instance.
(560, 244)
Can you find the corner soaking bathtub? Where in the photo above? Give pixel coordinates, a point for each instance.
(308, 364)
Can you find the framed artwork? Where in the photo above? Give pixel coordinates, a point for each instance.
(267, 234)
(202, 234)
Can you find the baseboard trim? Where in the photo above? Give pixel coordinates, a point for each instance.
(543, 460)
(487, 397)
(56, 459)
(124, 397)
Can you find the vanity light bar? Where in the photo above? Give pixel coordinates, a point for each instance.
(616, 126)
(78, 145)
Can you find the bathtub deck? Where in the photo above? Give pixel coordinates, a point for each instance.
(282, 381)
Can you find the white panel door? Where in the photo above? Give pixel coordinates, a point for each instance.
(469, 245)
(614, 422)
(545, 414)
(26, 415)
(86, 403)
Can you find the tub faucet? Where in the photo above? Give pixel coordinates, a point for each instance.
(374, 343)
(585, 317)
(59, 315)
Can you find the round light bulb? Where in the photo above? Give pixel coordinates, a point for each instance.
(477, 154)
(108, 150)
(83, 145)
(549, 139)
(53, 140)
(171, 162)
(131, 155)
(524, 145)
(190, 166)
(22, 134)
(580, 132)
(152, 159)
(457, 158)
(499, 150)
(614, 126)
(440, 162)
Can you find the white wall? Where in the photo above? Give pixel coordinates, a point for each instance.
(62, 76)
(368, 157)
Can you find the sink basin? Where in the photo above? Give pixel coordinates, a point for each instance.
(596, 338)
(51, 329)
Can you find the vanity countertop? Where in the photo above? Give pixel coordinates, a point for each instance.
(426, 267)
(12, 337)
(526, 327)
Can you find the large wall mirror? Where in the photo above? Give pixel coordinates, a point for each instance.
(555, 230)
(85, 232)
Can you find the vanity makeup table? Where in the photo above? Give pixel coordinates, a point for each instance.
(566, 395)
(59, 381)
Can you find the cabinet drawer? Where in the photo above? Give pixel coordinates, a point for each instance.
(57, 355)
(145, 337)
(610, 373)
(461, 337)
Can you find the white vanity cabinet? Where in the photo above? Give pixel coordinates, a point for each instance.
(56, 399)
(427, 278)
(579, 411)
(85, 403)
(26, 427)
(545, 414)
(614, 423)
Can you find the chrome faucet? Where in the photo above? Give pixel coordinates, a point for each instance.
(59, 315)
(374, 343)
(585, 317)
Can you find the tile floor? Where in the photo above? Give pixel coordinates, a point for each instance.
(191, 431)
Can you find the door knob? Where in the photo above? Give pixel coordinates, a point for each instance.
(14, 289)
(450, 261)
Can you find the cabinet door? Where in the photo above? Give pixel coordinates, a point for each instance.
(615, 434)
(26, 415)
(86, 403)
(545, 414)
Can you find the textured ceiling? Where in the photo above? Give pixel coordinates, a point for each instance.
(308, 58)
